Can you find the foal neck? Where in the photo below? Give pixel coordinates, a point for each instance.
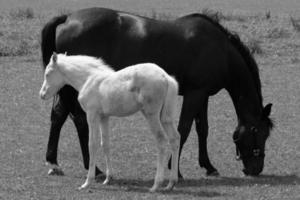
(77, 70)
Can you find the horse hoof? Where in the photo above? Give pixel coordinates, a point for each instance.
(213, 173)
(56, 172)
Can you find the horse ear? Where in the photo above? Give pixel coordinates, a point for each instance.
(267, 110)
(66, 53)
(54, 57)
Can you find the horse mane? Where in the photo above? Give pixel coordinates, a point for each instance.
(94, 62)
(245, 53)
(241, 47)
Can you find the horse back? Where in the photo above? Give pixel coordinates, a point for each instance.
(88, 31)
(186, 48)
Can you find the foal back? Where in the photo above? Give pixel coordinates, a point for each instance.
(142, 87)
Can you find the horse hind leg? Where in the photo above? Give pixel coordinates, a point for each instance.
(160, 138)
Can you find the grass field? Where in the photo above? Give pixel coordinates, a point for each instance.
(273, 36)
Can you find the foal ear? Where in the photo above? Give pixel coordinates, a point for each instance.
(267, 110)
(54, 57)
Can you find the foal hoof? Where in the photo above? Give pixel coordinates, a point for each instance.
(170, 186)
(213, 173)
(155, 186)
(153, 189)
(56, 172)
(84, 186)
(107, 180)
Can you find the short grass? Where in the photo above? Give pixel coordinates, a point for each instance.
(24, 119)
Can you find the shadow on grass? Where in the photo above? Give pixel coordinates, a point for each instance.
(142, 186)
(185, 187)
(272, 180)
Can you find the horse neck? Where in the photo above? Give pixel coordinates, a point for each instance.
(75, 75)
(245, 96)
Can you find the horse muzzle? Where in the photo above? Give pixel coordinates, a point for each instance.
(253, 166)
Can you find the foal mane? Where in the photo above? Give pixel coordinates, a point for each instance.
(83, 60)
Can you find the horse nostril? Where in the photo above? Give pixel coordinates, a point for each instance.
(256, 152)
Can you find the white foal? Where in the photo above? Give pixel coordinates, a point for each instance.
(104, 93)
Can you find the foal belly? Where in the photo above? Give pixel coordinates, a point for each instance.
(119, 103)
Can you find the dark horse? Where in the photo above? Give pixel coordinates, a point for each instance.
(202, 55)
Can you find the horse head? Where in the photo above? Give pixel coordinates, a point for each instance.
(250, 140)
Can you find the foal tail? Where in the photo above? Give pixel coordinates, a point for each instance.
(48, 35)
(170, 104)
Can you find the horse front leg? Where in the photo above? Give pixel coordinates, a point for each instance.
(202, 131)
(189, 110)
(59, 114)
(92, 119)
(104, 128)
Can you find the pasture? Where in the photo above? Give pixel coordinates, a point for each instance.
(270, 29)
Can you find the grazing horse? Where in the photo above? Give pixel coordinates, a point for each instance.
(203, 56)
(104, 93)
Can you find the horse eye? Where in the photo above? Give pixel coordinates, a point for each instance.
(254, 129)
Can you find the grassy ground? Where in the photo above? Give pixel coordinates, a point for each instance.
(24, 119)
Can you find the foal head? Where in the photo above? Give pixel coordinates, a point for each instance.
(250, 142)
(53, 79)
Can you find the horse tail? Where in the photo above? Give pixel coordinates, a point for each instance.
(48, 35)
(170, 102)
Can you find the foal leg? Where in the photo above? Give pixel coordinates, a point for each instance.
(104, 128)
(157, 130)
(93, 120)
(80, 122)
(59, 114)
(174, 140)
